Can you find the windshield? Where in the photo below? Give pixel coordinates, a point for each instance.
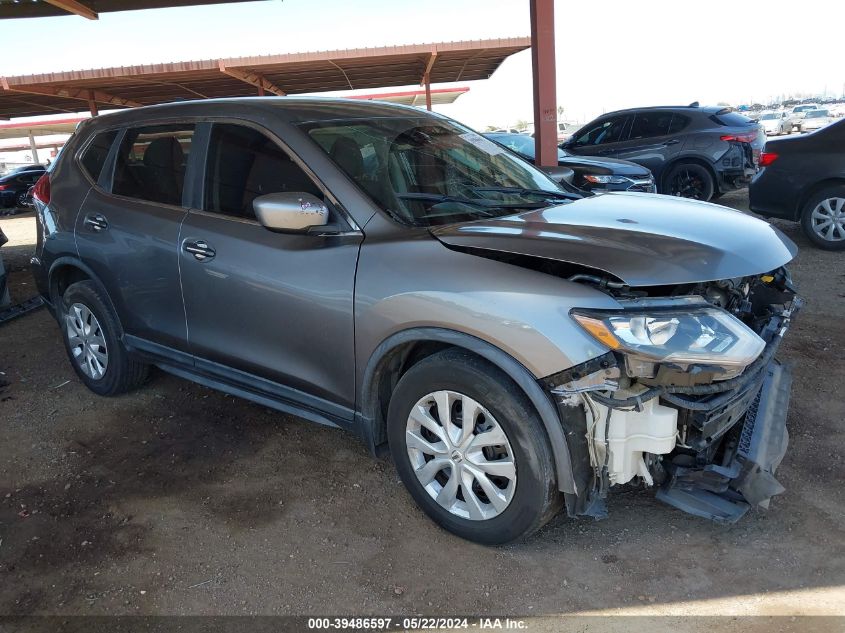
(816, 114)
(804, 108)
(425, 171)
(522, 144)
(769, 116)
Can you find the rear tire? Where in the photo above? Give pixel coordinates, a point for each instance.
(90, 330)
(689, 180)
(507, 441)
(823, 219)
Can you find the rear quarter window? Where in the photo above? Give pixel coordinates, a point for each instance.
(679, 123)
(93, 159)
(731, 119)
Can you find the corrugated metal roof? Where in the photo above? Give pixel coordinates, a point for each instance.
(42, 9)
(292, 73)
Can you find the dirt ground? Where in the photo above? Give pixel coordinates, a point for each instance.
(177, 499)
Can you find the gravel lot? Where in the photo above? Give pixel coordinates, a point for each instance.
(177, 499)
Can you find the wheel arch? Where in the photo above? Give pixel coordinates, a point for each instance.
(813, 190)
(65, 271)
(679, 160)
(396, 354)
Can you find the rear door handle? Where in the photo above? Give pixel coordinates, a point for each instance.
(199, 249)
(96, 222)
(674, 141)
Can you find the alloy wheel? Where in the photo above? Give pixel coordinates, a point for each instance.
(86, 341)
(688, 185)
(828, 219)
(23, 200)
(461, 455)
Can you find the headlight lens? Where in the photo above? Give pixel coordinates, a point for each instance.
(704, 335)
(597, 179)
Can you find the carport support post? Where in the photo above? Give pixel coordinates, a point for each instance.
(92, 105)
(34, 148)
(543, 70)
(426, 79)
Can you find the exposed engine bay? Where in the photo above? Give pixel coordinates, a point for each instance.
(690, 399)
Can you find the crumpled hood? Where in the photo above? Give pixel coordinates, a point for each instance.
(643, 239)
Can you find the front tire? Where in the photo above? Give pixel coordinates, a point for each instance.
(823, 219)
(90, 331)
(690, 180)
(491, 482)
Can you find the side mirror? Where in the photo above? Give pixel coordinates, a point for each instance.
(293, 212)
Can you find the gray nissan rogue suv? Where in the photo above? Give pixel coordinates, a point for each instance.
(517, 347)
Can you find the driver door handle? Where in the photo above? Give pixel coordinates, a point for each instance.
(96, 222)
(199, 249)
(674, 141)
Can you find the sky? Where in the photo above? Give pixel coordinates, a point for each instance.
(610, 54)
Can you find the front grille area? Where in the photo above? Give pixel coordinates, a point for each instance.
(645, 186)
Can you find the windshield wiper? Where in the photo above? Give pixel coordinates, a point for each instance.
(531, 192)
(486, 204)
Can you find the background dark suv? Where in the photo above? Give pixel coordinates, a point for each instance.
(693, 151)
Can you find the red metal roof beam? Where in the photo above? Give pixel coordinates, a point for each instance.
(426, 79)
(255, 79)
(88, 96)
(77, 8)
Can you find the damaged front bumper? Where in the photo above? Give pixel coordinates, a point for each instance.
(745, 477)
(710, 449)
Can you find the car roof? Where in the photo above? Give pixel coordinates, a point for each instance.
(290, 109)
(686, 108)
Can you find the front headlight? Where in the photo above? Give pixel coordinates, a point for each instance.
(597, 179)
(705, 336)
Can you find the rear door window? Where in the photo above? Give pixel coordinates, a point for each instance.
(243, 164)
(94, 157)
(151, 163)
(650, 124)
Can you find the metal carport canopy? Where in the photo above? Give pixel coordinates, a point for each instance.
(10, 9)
(292, 73)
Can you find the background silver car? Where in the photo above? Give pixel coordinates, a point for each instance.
(814, 120)
(775, 123)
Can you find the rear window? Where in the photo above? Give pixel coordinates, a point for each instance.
(151, 163)
(94, 157)
(730, 119)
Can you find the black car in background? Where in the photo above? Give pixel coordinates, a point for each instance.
(14, 187)
(29, 167)
(591, 174)
(803, 179)
(693, 152)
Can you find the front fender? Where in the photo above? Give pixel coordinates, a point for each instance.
(369, 401)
